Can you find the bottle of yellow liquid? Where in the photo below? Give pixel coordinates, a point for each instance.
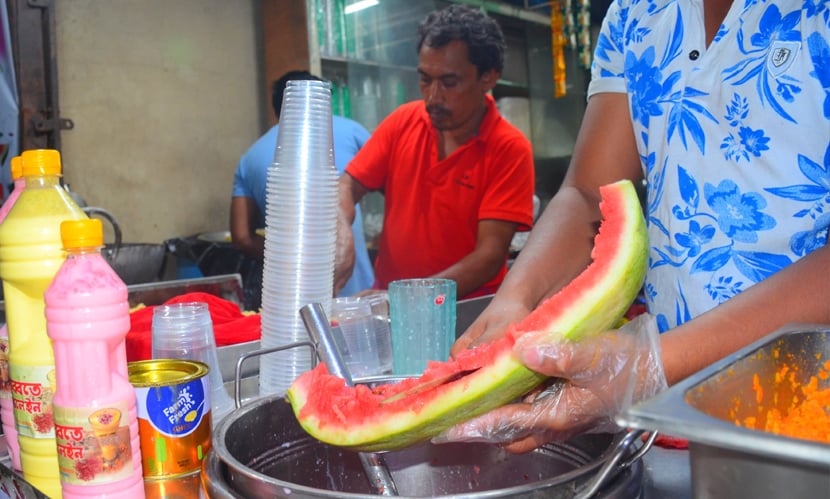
(31, 252)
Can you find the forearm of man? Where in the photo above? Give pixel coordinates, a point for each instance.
(349, 193)
(557, 249)
(244, 212)
(797, 293)
(559, 246)
(484, 262)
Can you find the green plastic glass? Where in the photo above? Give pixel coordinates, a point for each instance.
(422, 313)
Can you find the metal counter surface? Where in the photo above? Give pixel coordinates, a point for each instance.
(667, 474)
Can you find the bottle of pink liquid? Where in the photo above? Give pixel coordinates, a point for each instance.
(6, 406)
(96, 425)
(19, 183)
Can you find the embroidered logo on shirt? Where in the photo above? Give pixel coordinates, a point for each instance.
(465, 181)
(781, 56)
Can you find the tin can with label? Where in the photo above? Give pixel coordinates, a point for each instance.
(177, 487)
(173, 402)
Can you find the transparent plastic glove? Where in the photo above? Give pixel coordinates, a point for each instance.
(595, 379)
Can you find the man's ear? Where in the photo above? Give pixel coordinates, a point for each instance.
(489, 79)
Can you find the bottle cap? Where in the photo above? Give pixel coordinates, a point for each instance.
(17, 167)
(84, 233)
(41, 162)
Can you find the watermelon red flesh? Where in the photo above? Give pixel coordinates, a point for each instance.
(591, 291)
(412, 419)
(594, 301)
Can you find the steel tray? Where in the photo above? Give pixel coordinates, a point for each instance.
(732, 461)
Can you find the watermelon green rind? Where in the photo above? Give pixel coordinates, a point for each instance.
(401, 425)
(593, 302)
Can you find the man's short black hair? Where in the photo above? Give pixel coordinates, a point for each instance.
(481, 33)
(279, 87)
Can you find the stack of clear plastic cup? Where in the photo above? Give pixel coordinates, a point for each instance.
(300, 230)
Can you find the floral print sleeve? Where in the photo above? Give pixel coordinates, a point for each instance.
(733, 139)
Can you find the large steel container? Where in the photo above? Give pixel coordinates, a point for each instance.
(260, 450)
(728, 460)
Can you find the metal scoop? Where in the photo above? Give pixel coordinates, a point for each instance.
(317, 325)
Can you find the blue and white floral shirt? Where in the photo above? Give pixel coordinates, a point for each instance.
(733, 139)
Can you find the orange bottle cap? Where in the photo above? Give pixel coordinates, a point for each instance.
(17, 167)
(41, 162)
(84, 233)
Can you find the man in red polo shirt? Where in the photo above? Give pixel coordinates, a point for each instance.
(457, 178)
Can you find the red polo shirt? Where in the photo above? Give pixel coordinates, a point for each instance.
(432, 208)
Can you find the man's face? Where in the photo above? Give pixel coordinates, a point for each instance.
(452, 88)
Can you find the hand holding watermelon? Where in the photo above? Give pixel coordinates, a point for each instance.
(362, 418)
(596, 378)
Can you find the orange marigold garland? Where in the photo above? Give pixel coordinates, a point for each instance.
(558, 42)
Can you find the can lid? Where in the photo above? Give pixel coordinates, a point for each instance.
(17, 167)
(84, 233)
(164, 372)
(41, 162)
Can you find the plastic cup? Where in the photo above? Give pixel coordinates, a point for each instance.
(366, 349)
(379, 303)
(422, 315)
(185, 331)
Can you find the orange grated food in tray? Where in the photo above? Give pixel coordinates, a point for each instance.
(807, 417)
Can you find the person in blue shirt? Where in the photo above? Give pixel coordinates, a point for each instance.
(723, 107)
(249, 185)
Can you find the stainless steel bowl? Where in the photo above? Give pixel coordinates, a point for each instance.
(135, 263)
(261, 451)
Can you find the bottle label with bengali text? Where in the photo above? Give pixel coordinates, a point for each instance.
(5, 374)
(93, 444)
(33, 388)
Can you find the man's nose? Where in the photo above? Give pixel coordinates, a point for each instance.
(433, 94)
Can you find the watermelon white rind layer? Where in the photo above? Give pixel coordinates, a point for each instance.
(595, 301)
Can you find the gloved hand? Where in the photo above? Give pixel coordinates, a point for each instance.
(594, 380)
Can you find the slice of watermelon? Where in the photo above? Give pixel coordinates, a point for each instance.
(594, 301)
